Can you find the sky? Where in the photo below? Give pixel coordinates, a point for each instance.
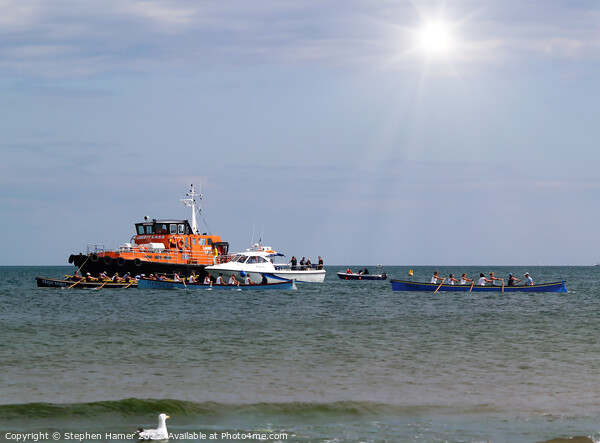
(398, 132)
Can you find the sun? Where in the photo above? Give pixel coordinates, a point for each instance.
(436, 39)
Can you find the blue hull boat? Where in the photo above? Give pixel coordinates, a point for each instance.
(146, 283)
(409, 286)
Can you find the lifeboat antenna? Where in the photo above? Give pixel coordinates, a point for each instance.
(191, 201)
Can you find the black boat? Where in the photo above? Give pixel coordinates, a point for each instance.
(47, 282)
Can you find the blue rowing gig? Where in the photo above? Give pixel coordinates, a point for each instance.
(146, 283)
(410, 286)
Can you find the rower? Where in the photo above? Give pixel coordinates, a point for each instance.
(435, 277)
(512, 279)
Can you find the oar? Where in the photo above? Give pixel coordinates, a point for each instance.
(100, 287)
(502, 285)
(74, 284)
(132, 282)
(472, 283)
(439, 285)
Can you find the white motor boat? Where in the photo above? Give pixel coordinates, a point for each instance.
(258, 261)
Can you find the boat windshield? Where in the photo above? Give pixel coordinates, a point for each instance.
(239, 258)
(257, 259)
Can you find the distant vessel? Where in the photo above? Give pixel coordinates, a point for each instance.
(363, 275)
(159, 246)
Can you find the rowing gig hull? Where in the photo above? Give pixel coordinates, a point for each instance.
(409, 286)
(346, 276)
(145, 283)
(45, 282)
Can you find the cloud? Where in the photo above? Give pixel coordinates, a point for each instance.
(168, 18)
(70, 38)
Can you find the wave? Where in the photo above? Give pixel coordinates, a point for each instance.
(137, 407)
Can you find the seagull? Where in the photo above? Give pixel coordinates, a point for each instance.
(160, 433)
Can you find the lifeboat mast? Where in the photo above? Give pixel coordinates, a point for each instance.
(191, 202)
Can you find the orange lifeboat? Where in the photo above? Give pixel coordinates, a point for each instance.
(159, 246)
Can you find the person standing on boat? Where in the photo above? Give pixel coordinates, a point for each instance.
(464, 279)
(302, 264)
(451, 279)
(436, 277)
(528, 280)
(512, 279)
(215, 254)
(308, 264)
(294, 262)
(320, 264)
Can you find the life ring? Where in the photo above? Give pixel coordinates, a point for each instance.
(94, 257)
(137, 262)
(180, 244)
(107, 260)
(120, 261)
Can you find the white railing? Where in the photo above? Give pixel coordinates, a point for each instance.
(95, 248)
(148, 254)
(288, 266)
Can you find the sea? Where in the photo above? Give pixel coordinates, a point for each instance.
(342, 361)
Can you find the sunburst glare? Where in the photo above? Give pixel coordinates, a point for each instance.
(436, 38)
